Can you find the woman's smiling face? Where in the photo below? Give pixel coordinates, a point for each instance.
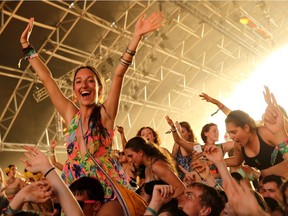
(86, 87)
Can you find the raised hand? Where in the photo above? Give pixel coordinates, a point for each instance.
(36, 160)
(145, 25)
(37, 192)
(24, 39)
(169, 121)
(207, 98)
(213, 153)
(120, 129)
(242, 199)
(273, 117)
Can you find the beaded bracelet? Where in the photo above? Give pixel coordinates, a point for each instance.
(154, 213)
(125, 62)
(130, 52)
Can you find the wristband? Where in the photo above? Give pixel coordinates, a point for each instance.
(130, 52)
(154, 213)
(49, 171)
(283, 147)
(11, 211)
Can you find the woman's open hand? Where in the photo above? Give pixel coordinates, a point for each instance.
(24, 40)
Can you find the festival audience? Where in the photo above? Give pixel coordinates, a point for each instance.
(196, 192)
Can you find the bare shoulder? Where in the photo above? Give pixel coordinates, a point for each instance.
(267, 136)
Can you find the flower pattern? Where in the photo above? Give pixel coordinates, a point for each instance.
(99, 144)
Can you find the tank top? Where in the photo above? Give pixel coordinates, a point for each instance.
(263, 159)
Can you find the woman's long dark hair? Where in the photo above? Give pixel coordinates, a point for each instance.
(150, 149)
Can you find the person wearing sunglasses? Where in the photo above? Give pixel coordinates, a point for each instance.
(89, 194)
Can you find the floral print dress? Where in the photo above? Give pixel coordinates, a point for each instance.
(99, 144)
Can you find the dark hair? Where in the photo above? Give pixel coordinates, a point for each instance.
(210, 197)
(97, 74)
(91, 186)
(4, 202)
(9, 166)
(205, 129)
(150, 149)
(273, 205)
(27, 213)
(240, 119)
(186, 125)
(237, 176)
(273, 178)
(155, 134)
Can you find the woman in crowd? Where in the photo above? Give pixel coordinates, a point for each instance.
(258, 146)
(182, 156)
(91, 125)
(210, 135)
(159, 168)
(13, 184)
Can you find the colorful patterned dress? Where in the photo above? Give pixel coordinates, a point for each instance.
(99, 144)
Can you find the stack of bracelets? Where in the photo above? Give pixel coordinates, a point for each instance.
(29, 53)
(124, 62)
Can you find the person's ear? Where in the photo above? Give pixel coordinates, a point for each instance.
(246, 128)
(97, 206)
(206, 210)
(100, 89)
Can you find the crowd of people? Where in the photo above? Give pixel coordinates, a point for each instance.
(193, 179)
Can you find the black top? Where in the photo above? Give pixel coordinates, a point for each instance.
(263, 159)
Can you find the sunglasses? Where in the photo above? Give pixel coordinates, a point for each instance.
(121, 153)
(83, 202)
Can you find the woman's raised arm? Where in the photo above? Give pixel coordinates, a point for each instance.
(64, 106)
